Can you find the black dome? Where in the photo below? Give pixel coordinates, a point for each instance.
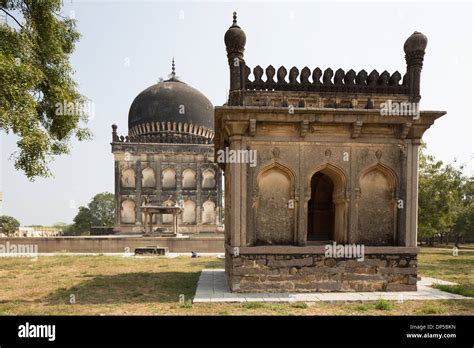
(171, 106)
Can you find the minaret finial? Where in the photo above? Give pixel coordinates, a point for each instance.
(235, 18)
(173, 72)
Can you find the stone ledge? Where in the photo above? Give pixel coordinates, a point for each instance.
(316, 249)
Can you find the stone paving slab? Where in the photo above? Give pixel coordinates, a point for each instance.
(212, 287)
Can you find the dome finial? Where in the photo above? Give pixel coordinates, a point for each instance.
(235, 18)
(173, 71)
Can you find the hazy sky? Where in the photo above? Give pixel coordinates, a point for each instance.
(127, 46)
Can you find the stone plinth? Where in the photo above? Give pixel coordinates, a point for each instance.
(284, 269)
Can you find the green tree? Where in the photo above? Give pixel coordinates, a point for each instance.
(8, 225)
(439, 197)
(99, 212)
(39, 100)
(102, 209)
(464, 226)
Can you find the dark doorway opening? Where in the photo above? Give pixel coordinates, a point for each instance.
(321, 209)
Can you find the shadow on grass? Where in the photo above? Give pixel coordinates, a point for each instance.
(129, 288)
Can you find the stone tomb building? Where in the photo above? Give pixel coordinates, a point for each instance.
(334, 166)
(167, 159)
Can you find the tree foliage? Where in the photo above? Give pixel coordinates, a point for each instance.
(99, 212)
(8, 225)
(36, 83)
(444, 200)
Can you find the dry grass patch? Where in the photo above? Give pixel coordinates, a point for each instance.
(114, 285)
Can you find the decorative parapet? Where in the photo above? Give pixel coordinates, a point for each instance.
(169, 134)
(327, 81)
(318, 81)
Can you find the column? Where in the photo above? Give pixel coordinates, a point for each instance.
(235, 131)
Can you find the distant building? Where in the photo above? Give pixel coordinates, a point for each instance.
(38, 231)
(167, 159)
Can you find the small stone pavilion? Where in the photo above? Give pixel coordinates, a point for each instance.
(337, 165)
(165, 175)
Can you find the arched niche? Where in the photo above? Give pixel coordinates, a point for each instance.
(189, 179)
(376, 207)
(208, 179)
(326, 205)
(274, 214)
(127, 213)
(189, 212)
(128, 178)
(208, 212)
(168, 178)
(148, 177)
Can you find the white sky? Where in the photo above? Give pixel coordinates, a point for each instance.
(343, 35)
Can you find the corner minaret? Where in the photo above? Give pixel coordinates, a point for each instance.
(414, 49)
(235, 40)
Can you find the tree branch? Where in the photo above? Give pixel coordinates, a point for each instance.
(8, 14)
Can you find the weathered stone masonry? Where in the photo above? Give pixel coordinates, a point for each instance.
(381, 270)
(331, 168)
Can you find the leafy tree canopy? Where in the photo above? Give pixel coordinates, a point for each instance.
(99, 212)
(444, 199)
(8, 224)
(39, 100)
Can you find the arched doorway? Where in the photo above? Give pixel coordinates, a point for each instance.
(321, 209)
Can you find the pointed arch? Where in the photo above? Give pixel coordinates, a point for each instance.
(189, 212)
(128, 178)
(148, 177)
(208, 212)
(280, 165)
(326, 204)
(208, 178)
(189, 178)
(127, 211)
(376, 206)
(386, 170)
(337, 175)
(168, 178)
(275, 215)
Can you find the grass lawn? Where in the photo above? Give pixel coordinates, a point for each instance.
(441, 263)
(114, 285)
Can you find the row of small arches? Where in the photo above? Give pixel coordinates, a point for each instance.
(168, 178)
(208, 213)
(184, 127)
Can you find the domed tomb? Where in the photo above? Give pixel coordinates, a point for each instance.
(171, 111)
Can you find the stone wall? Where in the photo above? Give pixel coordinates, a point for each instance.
(119, 244)
(315, 273)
